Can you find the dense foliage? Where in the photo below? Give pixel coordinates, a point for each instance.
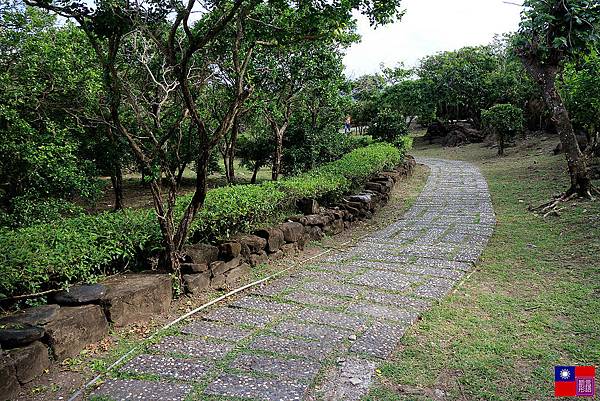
(80, 249)
(504, 121)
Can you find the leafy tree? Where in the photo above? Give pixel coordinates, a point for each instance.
(504, 121)
(49, 89)
(155, 61)
(551, 33)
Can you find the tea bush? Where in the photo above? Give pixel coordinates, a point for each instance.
(77, 249)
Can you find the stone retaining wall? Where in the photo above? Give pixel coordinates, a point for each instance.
(76, 318)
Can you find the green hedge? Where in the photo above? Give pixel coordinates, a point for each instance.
(82, 248)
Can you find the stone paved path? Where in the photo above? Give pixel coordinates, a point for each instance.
(320, 334)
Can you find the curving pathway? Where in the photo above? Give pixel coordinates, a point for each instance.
(320, 334)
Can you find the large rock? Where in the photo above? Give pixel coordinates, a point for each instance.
(336, 227)
(256, 259)
(220, 267)
(193, 268)
(308, 206)
(230, 250)
(314, 233)
(314, 220)
(9, 385)
(201, 253)
(30, 362)
(17, 334)
(234, 275)
(38, 316)
(253, 244)
(136, 297)
(80, 295)
(274, 237)
(375, 186)
(292, 231)
(74, 328)
(197, 283)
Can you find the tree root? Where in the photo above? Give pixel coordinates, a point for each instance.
(552, 207)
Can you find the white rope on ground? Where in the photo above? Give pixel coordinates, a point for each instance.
(200, 308)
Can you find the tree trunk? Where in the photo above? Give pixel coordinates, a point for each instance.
(235, 130)
(576, 161)
(179, 176)
(255, 173)
(277, 155)
(117, 182)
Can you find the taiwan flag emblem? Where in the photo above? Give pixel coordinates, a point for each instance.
(574, 381)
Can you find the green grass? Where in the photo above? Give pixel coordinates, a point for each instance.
(533, 301)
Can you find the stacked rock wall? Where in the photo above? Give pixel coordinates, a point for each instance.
(81, 316)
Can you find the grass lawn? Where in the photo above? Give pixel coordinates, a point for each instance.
(533, 301)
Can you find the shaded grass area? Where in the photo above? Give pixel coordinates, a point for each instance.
(533, 301)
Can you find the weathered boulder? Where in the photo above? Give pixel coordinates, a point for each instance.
(234, 275)
(230, 250)
(375, 186)
(197, 283)
(256, 259)
(336, 227)
(16, 334)
(220, 267)
(74, 328)
(136, 297)
(9, 385)
(218, 282)
(30, 362)
(253, 244)
(290, 249)
(314, 220)
(80, 295)
(274, 237)
(193, 268)
(292, 231)
(38, 316)
(314, 233)
(308, 206)
(201, 253)
(361, 198)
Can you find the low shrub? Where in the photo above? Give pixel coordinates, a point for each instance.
(83, 248)
(504, 121)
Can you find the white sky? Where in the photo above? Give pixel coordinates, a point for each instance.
(428, 27)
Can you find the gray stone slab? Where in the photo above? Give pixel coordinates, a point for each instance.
(298, 369)
(199, 348)
(385, 312)
(379, 340)
(392, 281)
(139, 390)
(350, 381)
(338, 319)
(308, 298)
(229, 385)
(204, 328)
(160, 365)
(278, 286)
(324, 287)
(311, 331)
(293, 346)
(240, 316)
(266, 305)
(343, 268)
(442, 264)
(403, 301)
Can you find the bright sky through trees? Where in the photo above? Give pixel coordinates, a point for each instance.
(430, 26)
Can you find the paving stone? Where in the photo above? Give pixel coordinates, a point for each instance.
(442, 264)
(229, 385)
(347, 268)
(239, 316)
(350, 381)
(299, 369)
(392, 281)
(293, 346)
(269, 306)
(278, 286)
(379, 340)
(342, 290)
(311, 331)
(139, 390)
(204, 328)
(198, 348)
(343, 320)
(308, 298)
(177, 368)
(385, 312)
(397, 300)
